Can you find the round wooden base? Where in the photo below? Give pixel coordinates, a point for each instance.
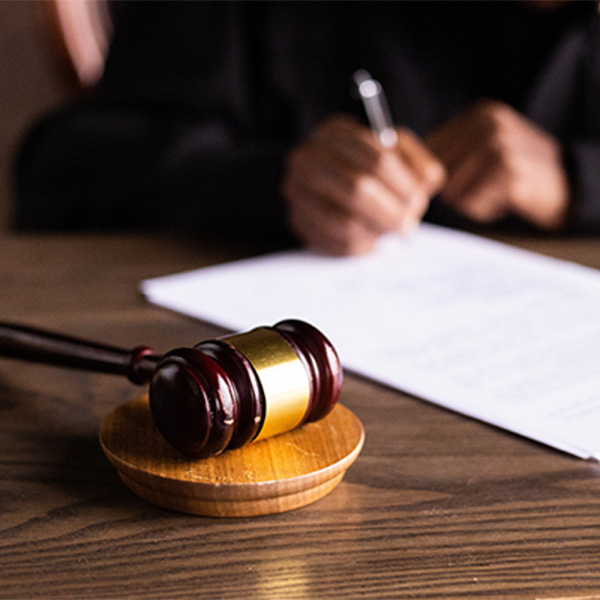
(274, 475)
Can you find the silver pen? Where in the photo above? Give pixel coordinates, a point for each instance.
(376, 107)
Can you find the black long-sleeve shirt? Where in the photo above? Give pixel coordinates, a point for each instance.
(200, 102)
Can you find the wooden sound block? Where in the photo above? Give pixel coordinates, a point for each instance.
(271, 476)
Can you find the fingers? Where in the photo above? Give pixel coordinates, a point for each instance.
(361, 195)
(409, 165)
(499, 163)
(476, 186)
(481, 196)
(326, 228)
(428, 169)
(342, 178)
(372, 183)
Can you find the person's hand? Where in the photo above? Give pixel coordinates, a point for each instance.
(501, 164)
(344, 190)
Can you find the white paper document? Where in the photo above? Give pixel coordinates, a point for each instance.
(497, 333)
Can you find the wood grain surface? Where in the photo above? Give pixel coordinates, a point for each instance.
(436, 505)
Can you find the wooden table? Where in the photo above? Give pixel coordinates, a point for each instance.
(436, 506)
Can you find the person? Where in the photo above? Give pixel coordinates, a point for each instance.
(235, 119)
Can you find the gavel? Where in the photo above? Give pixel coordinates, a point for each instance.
(222, 393)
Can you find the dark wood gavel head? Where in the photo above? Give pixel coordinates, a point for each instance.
(237, 389)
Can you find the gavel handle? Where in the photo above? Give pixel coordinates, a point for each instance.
(27, 343)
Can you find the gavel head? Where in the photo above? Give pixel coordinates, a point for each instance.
(230, 391)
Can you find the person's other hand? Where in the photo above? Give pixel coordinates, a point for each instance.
(344, 190)
(501, 164)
